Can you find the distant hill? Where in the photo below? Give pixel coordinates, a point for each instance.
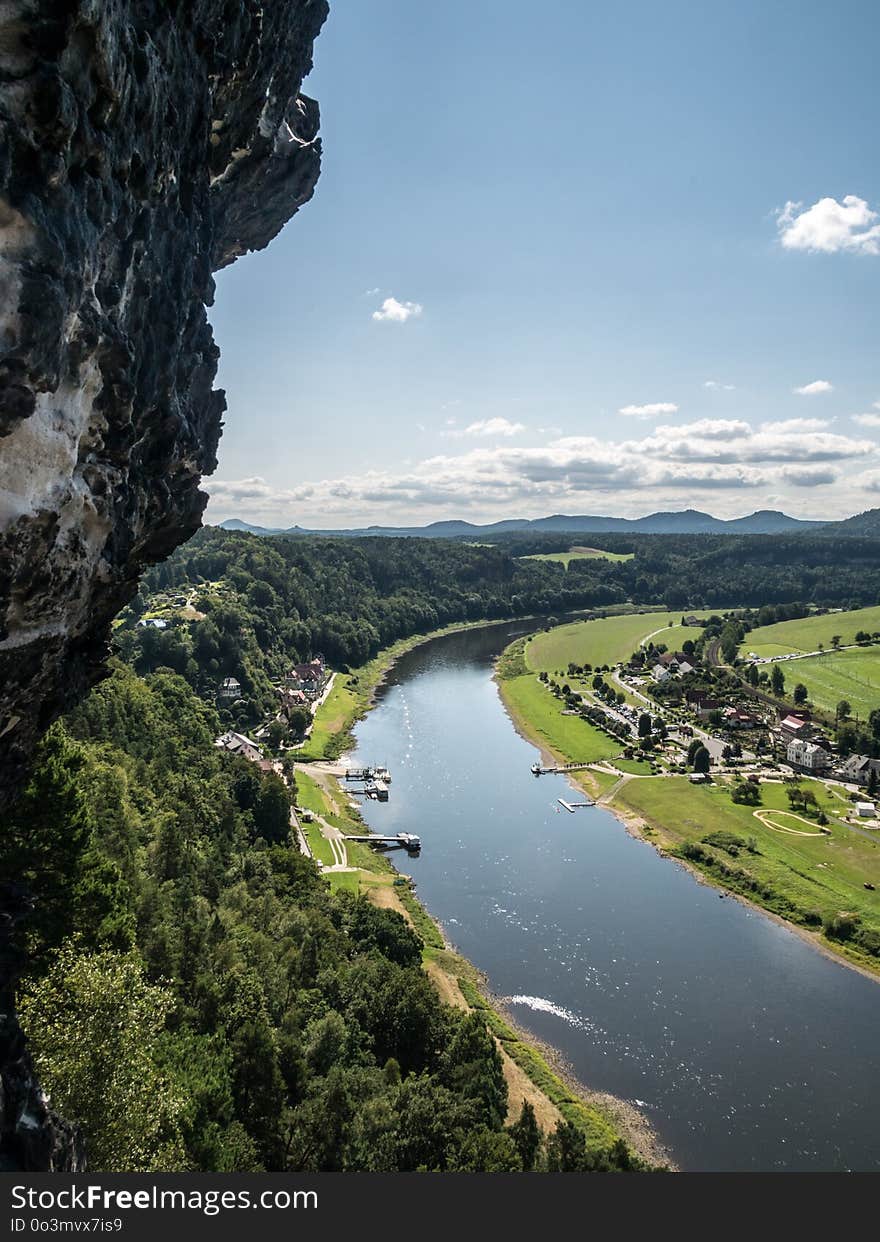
(685, 522)
(864, 525)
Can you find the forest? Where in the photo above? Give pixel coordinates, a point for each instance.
(265, 603)
(197, 999)
(187, 964)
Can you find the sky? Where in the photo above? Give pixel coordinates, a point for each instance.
(568, 258)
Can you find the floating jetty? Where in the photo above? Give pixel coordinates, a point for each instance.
(407, 840)
(375, 781)
(573, 806)
(537, 770)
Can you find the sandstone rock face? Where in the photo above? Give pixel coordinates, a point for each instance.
(143, 145)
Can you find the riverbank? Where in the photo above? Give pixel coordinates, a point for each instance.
(804, 884)
(534, 1072)
(354, 692)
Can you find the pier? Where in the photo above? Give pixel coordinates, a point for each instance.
(537, 770)
(407, 840)
(573, 806)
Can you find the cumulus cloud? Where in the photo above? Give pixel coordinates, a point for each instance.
(672, 465)
(654, 409)
(488, 427)
(829, 226)
(867, 420)
(809, 476)
(716, 386)
(813, 389)
(397, 312)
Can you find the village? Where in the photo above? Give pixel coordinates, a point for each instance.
(681, 712)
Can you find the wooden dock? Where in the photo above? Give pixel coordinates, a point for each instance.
(408, 840)
(537, 770)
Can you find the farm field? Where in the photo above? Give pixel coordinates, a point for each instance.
(578, 554)
(806, 633)
(853, 675)
(819, 873)
(606, 641)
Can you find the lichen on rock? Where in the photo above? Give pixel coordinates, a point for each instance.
(143, 145)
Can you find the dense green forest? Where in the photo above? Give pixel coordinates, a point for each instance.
(197, 999)
(264, 603)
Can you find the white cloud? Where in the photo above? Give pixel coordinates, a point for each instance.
(672, 466)
(491, 427)
(715, 386)
(809, 476)
(814, 389)
(653, 409)
(867, 420)
(397, 312)
(830, 227)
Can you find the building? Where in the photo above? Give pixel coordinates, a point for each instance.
(660, 673)
(702, 704)
(866, 810)
(152, 623)
(692, 620)
(310, 678)
(229, 688)
(858, 769)
(808, 756)
(237, 744)
(796, 725)
(739, 718)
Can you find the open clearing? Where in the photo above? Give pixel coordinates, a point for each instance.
(578, 554)
(606, 641)
(807, 633)
(853, 675)
(822, 873)
(539, 713)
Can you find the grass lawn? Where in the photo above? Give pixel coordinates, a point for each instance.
(806, 633)
(578, 554)
(816, 876)
(319, 844)
(346, 880)
(607, 641)
(853, 675)
(539, 715)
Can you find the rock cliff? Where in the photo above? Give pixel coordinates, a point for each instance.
(143, 145)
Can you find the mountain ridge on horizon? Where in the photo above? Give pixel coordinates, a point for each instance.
(682, 522)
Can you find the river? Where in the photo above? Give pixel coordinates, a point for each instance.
(746, 1048)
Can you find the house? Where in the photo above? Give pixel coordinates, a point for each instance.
(229, 688)
(237, 744)
(807, 756)
(858, 768)
(660, 674)
(310, 677)
(739, 718)
(154, 623)
(866, 810)
(796, 725)
(702, 704)
(290, 699)
(691, 620)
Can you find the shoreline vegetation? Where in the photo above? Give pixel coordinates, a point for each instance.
(535, 1071)
(644, 816)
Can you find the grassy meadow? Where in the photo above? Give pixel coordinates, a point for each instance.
(806, 633)
(578, 554)
(606, 641)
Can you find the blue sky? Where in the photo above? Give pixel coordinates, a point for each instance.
(611, 242)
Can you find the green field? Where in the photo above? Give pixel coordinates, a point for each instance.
(539, 714)
(578, 554)
(807, 633)
(803, 878)
(853, 675)
(607, 641)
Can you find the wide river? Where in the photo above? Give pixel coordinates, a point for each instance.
(745, 1047)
